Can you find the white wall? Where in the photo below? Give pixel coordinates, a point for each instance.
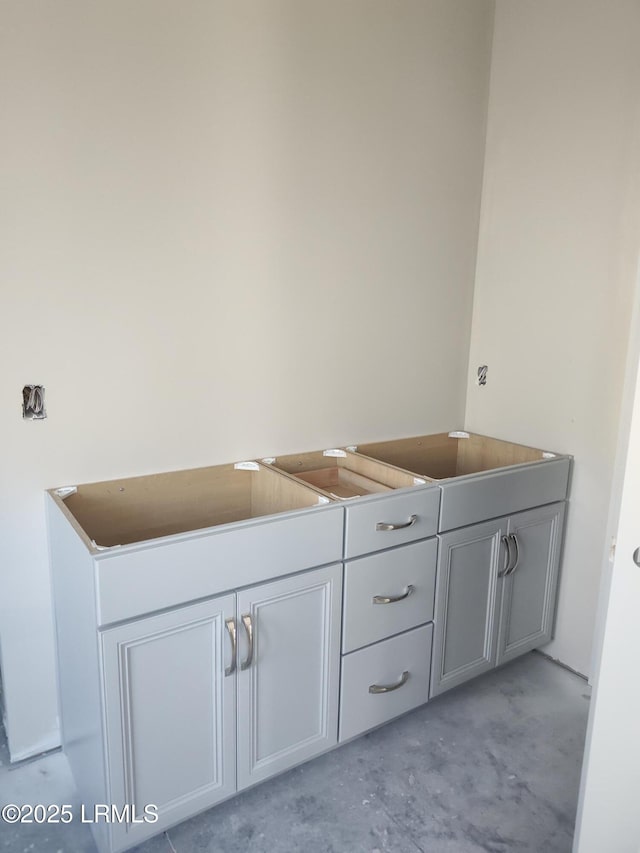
(556, 260)
(229, 229)
(608, 816)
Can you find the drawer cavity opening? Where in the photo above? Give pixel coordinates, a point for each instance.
(121, 512)
(447, 455)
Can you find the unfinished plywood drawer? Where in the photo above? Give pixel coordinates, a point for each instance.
(388, 593)
(480, 477)
(341, 475)
(168, 539)
(388, 520)
(384, 680)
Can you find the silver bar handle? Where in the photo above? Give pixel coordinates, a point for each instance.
(384, 688)
(636, 556)
(506, 541)
(516, 547)
(248, 627)
(391, 599)
(383, 525)
(231, 628)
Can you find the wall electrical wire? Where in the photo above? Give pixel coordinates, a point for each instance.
(33, 402)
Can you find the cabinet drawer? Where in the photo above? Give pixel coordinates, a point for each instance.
(389, 520)
(467, 500)
(370, 581)
(402, 662)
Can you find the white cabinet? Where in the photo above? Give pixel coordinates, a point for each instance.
(382, 681)
(529, 587)
(384, 521)
(388, 593)
(382, 506)
(390, 522)
(500, 522)
(495, 593)
(211, 698)
(288, 675)
(388, 608)
(165, 700)
(464, 643)
(170, 715)
(200, 618)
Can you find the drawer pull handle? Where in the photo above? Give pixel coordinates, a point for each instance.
(391, 599)
(231, 628)
(248, 627)
(382, 525)
(516, 548)
(384, 688)
(506, 569)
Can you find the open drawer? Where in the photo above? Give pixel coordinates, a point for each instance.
(341, 475)
(480, 477)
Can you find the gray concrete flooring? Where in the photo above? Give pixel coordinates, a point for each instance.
(491, 766)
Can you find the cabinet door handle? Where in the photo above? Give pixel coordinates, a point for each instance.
(391, 599)
(516, 548)
(248, 627)
(636, 556)
(231, 628)
(384, 688)
(506, 541)
(383, 525)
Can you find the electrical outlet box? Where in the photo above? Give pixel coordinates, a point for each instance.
(33, 402)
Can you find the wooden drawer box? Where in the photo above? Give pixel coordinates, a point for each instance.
(341, 475)
(388, 593)
(384, 680)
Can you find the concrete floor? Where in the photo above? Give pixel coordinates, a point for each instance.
(491, 766)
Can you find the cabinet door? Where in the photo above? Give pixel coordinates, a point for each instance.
(466, 622)
(529, 591)
(170, 715)
(288, 689)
